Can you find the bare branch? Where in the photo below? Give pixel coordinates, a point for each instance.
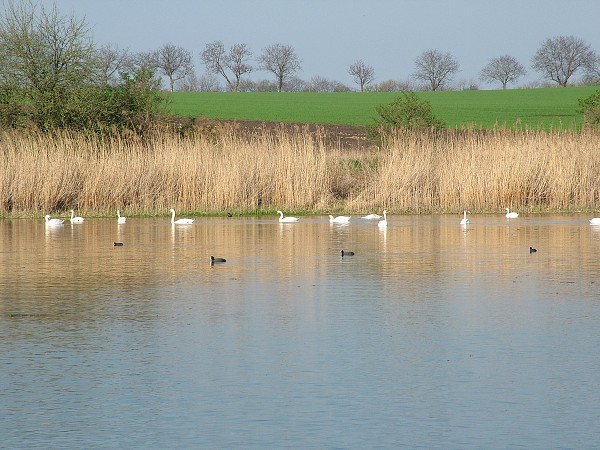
(435, 68)
(362, 74)
(110, 62)
(504, 69)
(560, 57)
(220, 62)
(174, 62)
(282, 61)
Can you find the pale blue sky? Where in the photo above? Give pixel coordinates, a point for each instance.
(329, 35)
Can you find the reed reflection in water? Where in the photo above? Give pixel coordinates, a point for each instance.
(432, 334)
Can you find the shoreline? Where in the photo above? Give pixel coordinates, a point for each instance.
(240, 215)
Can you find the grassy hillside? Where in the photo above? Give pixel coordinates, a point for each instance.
(534, 108)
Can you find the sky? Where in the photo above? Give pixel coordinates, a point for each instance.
(330, 35)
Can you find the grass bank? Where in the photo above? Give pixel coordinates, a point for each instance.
(297, 172)
(533, 109)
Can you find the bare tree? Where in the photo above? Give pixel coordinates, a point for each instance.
(174, 62)
(282, 61)
(295, 84)
(110, 62)
(393, 86)
(319, 84)
(322, 84)
(504, 69)
(237, 62)
(219, 62)
(435, 68)
(362, 74)
(560, 57)
(592, 69)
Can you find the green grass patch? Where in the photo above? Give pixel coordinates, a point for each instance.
(543, 108)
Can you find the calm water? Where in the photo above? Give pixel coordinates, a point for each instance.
(431, 336)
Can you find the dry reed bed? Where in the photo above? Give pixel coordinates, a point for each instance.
(42, 174)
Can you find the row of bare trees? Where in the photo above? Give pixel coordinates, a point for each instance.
(175, 62)
(557, 60)
(279, 59)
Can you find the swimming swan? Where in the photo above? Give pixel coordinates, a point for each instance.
(371, 216)
(383, 223)
(339, 219)
(595, 221)
(511, 215)
(53, 222)
(76, 219)
(180, 221)
(464, 220)
(120, 219)
(287, 219)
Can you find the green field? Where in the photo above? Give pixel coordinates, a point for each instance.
(546, 108)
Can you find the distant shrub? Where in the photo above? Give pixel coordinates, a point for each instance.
(590, 108)
(405, 113)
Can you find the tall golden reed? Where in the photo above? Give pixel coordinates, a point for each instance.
(298, 171)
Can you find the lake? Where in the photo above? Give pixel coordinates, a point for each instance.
(433, 335)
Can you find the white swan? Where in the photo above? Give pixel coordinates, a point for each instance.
(339, 219)
(511, 215)
(464, 220)
(383, 223)
(371, 217)
(120, 219)
(287, 219)
(595, 221)
(76, 219)
(53, 222)
(180, 221)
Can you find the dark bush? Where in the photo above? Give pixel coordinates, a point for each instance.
(406, 113)
(590, 108)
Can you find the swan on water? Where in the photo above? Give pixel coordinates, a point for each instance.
(371, 216)
(180, 221)
(120, 219)
(511, 215)
(287, 219)
(339, 219)
(76, 219)
(383, 223)
(343, 253)
(595, 221)
(464, 220)
(53, 222)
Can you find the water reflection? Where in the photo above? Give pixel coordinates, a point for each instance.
(432, 334)
(489, 247)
